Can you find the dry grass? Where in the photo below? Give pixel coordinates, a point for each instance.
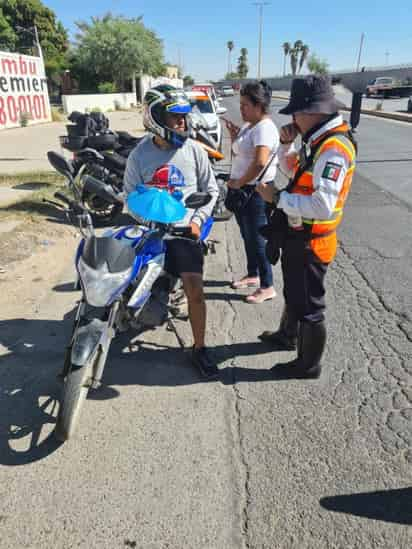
(40, 184)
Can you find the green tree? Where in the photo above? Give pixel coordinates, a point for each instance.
(230, 46)
(115, 48)
(242, 64)
(231, 76)
(317, 65)
(188, 80)
(17, 15)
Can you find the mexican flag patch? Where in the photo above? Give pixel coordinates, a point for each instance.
(332, 171)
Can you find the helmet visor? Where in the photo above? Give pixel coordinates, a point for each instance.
(179, 108)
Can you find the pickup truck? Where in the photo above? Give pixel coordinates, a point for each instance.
(386, 86)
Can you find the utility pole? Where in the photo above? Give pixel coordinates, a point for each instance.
(260, 6)
(360, 51)
(387, 53)
(36, 34)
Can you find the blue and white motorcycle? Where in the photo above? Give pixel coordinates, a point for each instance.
(123, 282)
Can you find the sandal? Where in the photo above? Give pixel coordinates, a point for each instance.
(245, 282)
(261, 295)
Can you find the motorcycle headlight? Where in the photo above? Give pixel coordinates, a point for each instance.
(101, 286)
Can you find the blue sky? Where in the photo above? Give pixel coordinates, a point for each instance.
(200, 30)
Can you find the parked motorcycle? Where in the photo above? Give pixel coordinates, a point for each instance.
(123, 285)
(103, 153)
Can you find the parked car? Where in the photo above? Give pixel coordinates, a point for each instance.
(409, 107)
(208, 89)
(207, 108)
(227, 90)
(386, 86)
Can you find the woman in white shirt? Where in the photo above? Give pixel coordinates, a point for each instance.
(252, 146)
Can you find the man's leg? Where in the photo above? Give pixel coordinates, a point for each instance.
(193, 287)
(184, 258)
(305, 294)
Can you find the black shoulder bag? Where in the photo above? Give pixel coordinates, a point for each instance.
(237, 199)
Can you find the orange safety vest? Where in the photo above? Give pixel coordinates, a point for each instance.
(322, 232)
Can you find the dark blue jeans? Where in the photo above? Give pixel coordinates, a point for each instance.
(250, 219)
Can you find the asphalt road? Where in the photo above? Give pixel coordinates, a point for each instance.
(164, 460)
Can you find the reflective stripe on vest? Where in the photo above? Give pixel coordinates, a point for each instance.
(304, 185)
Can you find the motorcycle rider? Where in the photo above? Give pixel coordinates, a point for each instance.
(167, 158)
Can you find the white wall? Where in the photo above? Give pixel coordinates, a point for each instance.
(23, 89)
(147, 82)
(105, 101)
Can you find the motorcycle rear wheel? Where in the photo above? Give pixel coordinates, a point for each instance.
(102, 212)
(76, 387)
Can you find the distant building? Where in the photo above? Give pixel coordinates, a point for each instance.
(172, 71)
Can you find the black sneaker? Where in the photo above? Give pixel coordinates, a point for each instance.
(203, 361)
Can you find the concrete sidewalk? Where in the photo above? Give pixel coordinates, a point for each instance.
(24, 149)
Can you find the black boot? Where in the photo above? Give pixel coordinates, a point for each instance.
(311, 344)
(285, 338)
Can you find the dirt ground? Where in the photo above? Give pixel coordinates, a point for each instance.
(31, 259)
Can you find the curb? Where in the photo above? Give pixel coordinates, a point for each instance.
(378, 114)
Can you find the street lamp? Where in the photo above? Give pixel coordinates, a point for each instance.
(260, 6)
(360, 50)
(35, 35)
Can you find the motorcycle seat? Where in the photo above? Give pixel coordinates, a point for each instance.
(114, 160)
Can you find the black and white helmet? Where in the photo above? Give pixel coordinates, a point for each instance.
(158, 102)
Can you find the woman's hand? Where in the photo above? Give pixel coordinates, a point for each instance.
(288, 134)
(234, 184)
(265, 191)
(231, 128)
(194, 227)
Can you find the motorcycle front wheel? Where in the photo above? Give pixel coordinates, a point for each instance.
(76, 387)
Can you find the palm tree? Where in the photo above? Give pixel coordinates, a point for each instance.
(304, 52)
(230, 45)
(294, 55)
(286, 50)
(242, 68)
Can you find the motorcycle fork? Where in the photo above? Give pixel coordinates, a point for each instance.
(104, 346)
(67, 357)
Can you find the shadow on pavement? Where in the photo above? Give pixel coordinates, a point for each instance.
(34, 354)
(32, 185)
(216, 283)
(152, 364)
(12, 159)
(38, 207)
(64, 288)
(29, 389)
(386, 505)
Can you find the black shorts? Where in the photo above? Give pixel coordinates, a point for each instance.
(183, 256)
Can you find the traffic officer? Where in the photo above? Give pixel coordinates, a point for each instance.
(321, 173)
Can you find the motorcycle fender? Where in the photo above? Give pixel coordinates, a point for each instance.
(86, 341)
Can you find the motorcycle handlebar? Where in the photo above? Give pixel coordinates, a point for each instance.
(76, 207)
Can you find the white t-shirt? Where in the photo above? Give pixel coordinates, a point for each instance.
(264, 133)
